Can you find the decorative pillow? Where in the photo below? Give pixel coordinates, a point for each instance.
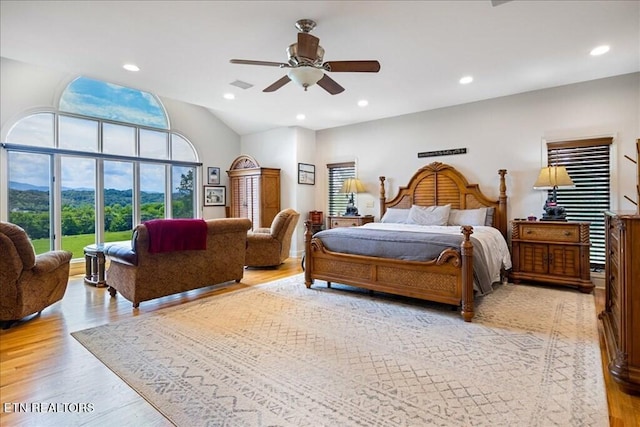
(396, 215)
(489, 219)
(468, 216)
(432, 215)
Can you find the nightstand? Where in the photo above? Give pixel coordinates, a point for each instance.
(349, 221)
(554, 252)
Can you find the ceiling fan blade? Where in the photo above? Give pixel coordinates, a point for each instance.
(352, 66)
(251, 62)
(330, 85)
(308, 46)
(277, 85)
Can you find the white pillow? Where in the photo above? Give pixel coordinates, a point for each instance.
(468, 216)
(396, 215)
(431, 215)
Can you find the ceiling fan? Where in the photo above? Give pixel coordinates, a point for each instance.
(305, 63)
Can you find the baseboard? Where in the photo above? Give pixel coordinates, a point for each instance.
(597, 278)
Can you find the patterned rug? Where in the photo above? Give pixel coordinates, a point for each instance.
(283, 355)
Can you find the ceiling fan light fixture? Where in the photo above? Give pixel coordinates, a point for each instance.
(305, 76)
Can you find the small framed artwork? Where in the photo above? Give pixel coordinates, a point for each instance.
(213, 176)
(215, 195)
(306, 174)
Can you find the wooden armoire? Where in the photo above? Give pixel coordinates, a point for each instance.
(254, 191)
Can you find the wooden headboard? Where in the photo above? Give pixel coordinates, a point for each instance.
(440, 184)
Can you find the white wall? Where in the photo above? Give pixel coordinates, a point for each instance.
(284, 148)
(217, 145)
(508, 132)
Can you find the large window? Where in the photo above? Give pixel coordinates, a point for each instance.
(337, 173)
(587, 162)
(105, 162)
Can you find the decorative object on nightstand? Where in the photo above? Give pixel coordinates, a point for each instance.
(351, 186)
(317, 221)
(349, 220)
(551, 252)
(550, 178)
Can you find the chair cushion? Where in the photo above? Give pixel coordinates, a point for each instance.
(22, 243)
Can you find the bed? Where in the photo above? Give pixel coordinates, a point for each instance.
(445, 276)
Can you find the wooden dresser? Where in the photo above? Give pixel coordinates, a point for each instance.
(349, 221)
(254, 192)
(621, 315)
(554, 252)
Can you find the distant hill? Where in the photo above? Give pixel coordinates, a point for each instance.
(27, 197)
(13, 185)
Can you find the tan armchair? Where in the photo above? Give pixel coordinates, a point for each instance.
(28, 282)
(268, 247)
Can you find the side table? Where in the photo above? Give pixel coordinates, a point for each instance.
(94, 265)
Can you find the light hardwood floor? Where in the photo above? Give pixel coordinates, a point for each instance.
(41, 363)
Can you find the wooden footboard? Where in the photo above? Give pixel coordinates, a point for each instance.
(447, 279)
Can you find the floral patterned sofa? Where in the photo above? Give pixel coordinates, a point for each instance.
(141, 273)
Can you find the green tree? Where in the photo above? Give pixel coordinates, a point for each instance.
(186, 184)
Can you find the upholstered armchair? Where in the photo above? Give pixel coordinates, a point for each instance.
(269, 247)
(28, 282)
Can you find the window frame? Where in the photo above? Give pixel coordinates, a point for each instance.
(56, 154)
(578, 157)
(336, 174)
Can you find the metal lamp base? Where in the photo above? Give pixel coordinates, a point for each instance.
(554, 213)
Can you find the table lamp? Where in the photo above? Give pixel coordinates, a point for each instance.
(351, 186)
(550, 178)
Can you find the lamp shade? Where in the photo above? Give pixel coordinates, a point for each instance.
(553, 176)
(305, 76)
(352, 185)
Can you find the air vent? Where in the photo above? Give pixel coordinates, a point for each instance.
(241, 84)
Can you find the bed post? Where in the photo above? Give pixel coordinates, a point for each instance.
(467, 274)
(502, 204)
(308, 259)
(383, 197)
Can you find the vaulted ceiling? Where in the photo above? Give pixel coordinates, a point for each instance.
(183, 50)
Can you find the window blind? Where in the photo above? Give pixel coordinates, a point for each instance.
(588, 164)
(337, 173)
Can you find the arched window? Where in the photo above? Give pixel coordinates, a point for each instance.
(105, 161)
(102, 100)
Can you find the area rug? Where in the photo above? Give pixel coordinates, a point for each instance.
(280, 354)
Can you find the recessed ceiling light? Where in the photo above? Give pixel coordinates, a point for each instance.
(363, 103)
(600, 50)
(466, 80)
(301, 117)
(131, 67)
(229, 96)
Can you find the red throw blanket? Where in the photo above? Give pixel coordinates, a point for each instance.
(167, 235)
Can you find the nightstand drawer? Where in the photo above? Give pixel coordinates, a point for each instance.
(349, 221)
(568, 233)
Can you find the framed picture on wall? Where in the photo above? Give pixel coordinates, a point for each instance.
(215, 195)
(306, 174)
(213, 176)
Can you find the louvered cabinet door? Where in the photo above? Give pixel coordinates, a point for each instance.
(253, 201)
(238, 200)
